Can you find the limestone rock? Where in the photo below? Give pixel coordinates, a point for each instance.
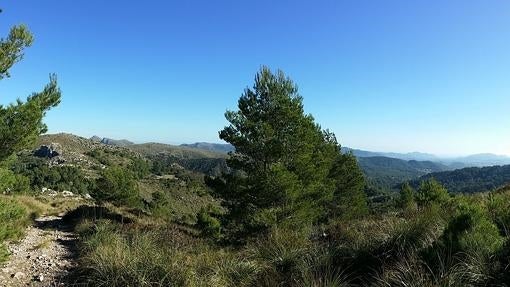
(49, 151)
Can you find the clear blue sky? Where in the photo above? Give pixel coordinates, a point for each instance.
(431, 76)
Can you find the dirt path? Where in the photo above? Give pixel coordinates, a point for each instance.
(43, 257)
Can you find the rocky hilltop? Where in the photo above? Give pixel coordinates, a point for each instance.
(109, 141)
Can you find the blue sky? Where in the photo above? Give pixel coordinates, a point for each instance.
(430, 76)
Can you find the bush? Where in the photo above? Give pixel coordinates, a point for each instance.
(13, 183)
(13, 219)
(406, 200)
(58, 178)
(118, 186)
(209, 225)
(472, 231)
(140, 167)
(498, 207)
(431, 191)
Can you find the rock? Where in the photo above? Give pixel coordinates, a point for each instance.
(51, 151)
(18, 275)
(67, 193)
(95, 139)
(87, 196)
(40, 278)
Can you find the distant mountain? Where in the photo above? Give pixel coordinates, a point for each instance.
(386, 172)
(403, 156)
(108, 141)
(482, 159)
(150, 149)
(95, 139)
(223, 148)
(477, 160)
(472, 179)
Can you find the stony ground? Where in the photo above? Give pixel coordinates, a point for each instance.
(42, 258)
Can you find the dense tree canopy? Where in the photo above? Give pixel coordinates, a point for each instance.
(283, 164)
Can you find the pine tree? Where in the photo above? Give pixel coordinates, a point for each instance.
(431, 191)
(283, 161)
(21, 122)
(406, 197)
(350, 200)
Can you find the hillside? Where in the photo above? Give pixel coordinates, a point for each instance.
(382, 173)
(109, 141)
(470, 180)
(175, 151)
(214, 147)
(68, 142)
(164, 156)
(387, 172)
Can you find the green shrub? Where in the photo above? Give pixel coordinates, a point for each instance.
(498, 207)
(406, 200)
(13, 183)
(431, 191)
(474, 230)
(13, 219)
(40, 175)
(209, 225)
(140, 167)
(117, 185)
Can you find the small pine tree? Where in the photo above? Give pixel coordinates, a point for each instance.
(406, 197)
(431, 191)
(117, 185)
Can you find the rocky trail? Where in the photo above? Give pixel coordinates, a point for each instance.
(43, 258)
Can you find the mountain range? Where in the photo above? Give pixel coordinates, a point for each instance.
(479, 160)
(383, 171)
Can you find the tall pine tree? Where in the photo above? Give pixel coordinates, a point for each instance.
(282, 168)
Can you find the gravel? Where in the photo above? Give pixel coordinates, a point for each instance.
(42, 258)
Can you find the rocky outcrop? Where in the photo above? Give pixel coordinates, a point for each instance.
(120, 143)
(95, 139)
(49, 151)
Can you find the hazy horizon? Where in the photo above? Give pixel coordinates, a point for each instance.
(398, 76)
(170, 142)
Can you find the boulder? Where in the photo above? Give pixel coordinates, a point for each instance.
(18, 275)
(67, 193)
(48, 151)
